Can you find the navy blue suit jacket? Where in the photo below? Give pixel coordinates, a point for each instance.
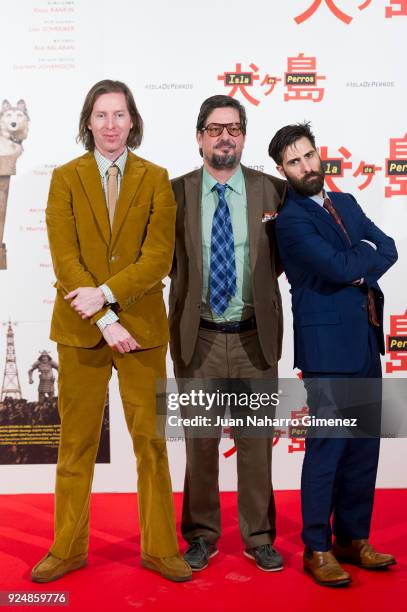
(330, 314)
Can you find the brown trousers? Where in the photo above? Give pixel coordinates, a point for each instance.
(83, 379)
(219, 355)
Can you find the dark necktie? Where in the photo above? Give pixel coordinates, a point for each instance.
(373, 319)
(222, 280)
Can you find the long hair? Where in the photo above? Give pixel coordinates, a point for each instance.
(85, 135)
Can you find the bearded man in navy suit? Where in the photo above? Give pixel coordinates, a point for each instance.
(333, 256)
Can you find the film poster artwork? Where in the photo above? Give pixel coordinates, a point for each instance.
(14, 123)
(29, 430)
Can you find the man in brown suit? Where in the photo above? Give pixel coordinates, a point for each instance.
(226, 321)
(110, 219)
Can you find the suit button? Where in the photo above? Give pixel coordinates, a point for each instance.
(113, 257)
(363, 306)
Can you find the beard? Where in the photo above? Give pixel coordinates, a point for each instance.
(309, 185)
(224, 161)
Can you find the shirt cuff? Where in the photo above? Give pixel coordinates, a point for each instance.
(107, 319)
(110, 299)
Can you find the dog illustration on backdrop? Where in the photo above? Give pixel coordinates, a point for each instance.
(14, 122)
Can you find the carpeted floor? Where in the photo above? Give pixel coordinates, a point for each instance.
(114, 580)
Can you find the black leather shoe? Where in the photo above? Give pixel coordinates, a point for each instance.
(198, 554)
(266, 557)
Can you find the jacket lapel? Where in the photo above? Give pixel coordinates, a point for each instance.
(92, 185)
(132, 177)
(317, 211)
(193, 189)
(345, 209)
(254, 212)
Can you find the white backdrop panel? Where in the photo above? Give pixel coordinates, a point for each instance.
(170, 54)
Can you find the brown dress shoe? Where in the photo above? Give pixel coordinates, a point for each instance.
(324, 568)
(173, 568)
(361, 553)
(51, 568)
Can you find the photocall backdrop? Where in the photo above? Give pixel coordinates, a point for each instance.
(337, 63)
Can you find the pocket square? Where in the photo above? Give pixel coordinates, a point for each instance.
(269, 216)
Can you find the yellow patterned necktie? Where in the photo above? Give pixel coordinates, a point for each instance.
(112, 191)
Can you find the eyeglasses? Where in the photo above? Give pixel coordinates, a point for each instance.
(216, 129)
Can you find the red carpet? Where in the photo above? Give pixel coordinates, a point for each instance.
(114, 580)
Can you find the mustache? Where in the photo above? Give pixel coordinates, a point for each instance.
(313, 173)
(225, 143)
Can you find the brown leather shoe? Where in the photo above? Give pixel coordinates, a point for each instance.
(361, 553)
(324, 568)
(173, 568)
(51, 567)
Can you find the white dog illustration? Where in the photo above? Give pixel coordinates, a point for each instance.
(13, 127)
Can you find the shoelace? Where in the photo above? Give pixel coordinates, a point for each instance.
(267, 548)
(198, 545)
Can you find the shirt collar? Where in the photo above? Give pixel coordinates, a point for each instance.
(235, 182)
(103, 163)
(319, 199)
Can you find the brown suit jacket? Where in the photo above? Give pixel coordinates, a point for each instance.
(265, 193)
(132, 259)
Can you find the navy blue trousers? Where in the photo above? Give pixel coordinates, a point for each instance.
(339, 473)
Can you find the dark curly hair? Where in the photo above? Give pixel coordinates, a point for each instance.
(287, 136)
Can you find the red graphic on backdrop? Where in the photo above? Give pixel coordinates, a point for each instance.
(301, 79)
(334, 167)
(396, 167)
(278, 433)
(298, 432)
(368, 171)
(396, 342)
(231, 451)
(335, 10)
(297, 445)
(271, 81)
(240, 80)
(390, 11)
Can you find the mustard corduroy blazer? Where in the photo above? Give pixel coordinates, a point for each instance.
(132, 258)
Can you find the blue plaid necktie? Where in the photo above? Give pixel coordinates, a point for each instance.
(223, 268)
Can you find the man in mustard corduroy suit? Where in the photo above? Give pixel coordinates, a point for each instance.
(110, 219)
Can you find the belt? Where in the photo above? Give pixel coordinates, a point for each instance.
(233, 327)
